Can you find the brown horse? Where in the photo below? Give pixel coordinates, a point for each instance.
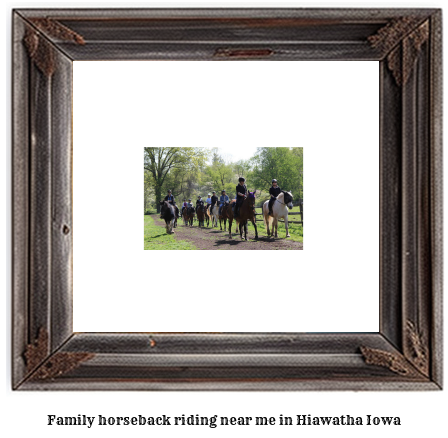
(207, 214)
(247, 212)
(227, 214)
(188, 216)
(200, 212)
(221, 220)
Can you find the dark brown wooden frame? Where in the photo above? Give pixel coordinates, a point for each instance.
(406, 354)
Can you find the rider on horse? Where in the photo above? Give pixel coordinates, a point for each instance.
(199, 202)
(208, 200)
(222, 200)
(274, 191)
(170, 198)
(214, 200)
(184, 204)
(187, 207)
(241, 192)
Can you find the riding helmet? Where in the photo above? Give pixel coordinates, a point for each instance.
(169, 191)
(273, 181)
(241, 179)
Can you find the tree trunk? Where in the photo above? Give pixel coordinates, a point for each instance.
(158, 197)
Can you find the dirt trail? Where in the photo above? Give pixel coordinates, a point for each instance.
(214, 238)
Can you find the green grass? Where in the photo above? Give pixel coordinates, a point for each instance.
(156, 238)
(295, 230)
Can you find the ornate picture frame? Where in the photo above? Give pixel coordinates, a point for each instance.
(406, 353)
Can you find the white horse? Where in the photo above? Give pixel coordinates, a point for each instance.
(280, 211)
(214, 214)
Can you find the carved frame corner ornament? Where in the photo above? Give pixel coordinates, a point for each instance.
(402, 56)
(413, 364)
(417, 350)
(393, 361)
(405, 354)
(41, 366)
(40, 48)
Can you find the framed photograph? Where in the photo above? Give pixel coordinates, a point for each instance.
(219, 320)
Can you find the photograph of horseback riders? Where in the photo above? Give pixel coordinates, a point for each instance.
(199, 198)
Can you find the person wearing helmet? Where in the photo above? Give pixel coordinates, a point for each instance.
(184, 205)
(241, 192)
(189, 205)
(199, 202)
(170, 198)
(274, 191)
(222, 200)
(208, 201)
(214, 200)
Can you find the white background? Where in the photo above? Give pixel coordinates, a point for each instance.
(332, 285)
(422, 414)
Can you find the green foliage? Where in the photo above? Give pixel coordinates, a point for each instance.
(216, 158)
(295, 230)
(242, 168)
(190, 172)
(148, 190)
(221, 175)
(174, 168)
(283, 164)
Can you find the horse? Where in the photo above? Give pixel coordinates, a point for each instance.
(247, 212)
(200, 212)
(214, 214)
(168, 213)
(207, 215)
(280, 211)
(227, 214)
(222, 219)
(188, 216)
(176, 210)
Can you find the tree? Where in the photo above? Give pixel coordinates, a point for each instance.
(298, 152)
(160, 162)
(242, 168)
(148, 191)
(283, 164)
(220, 174)
(216, 157)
